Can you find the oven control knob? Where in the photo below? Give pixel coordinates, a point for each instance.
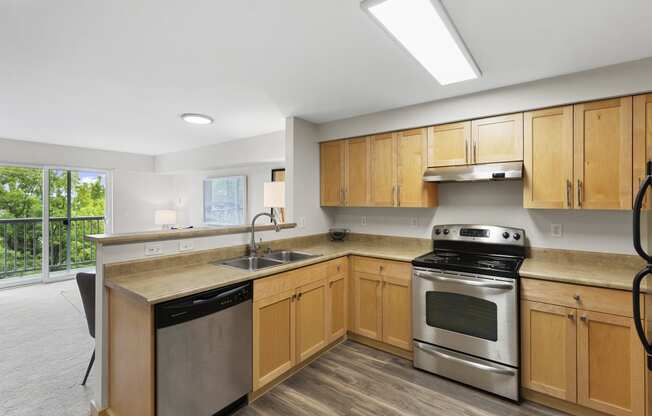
(437, 231)
(517, 236)
(505, 234)
(446, 231)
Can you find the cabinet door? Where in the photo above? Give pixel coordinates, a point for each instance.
(642, 140)
(497, 139)
(548, 158)
(603, 154)
(311, 319)
(548, 349)
(448, 144)
(274, 337)
(331, 167)
(368, 303)
(356, 178)
(611, 364)
(337, 306)
(383, 170)
(412, 150)
(397, 312)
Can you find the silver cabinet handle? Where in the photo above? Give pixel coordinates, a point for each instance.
(576, 297)
(579, 193)
(398, 195)
(584, 318)
(394, 195)
(571, 316)
(438, 278)
(479, 366)
(569, 193)
(466, 153)
(475, 153)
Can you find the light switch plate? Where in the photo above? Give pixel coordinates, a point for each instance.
(185, 245)
(556, 230)
(363, 220)
(302, 222)
(414, 222)
(153, 249)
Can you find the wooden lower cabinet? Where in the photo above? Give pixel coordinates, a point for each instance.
(311, 319)
(337, 304)
(611, 364)
(591, 358)
(549, 337)
(382, 301)
(274, 337)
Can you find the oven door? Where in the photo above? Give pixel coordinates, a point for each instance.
(471, 314)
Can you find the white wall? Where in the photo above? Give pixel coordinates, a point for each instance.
(622, 79)
(20, 152)
(264, 149)
(497, 203)
(302, 178)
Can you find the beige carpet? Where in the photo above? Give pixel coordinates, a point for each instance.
(44, 351)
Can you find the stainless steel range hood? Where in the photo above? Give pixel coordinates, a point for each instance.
(474, 173)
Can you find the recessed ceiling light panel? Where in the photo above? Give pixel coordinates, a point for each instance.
(424, 28)
(194, 118)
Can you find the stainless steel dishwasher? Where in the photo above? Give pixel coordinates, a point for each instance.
(203, 352)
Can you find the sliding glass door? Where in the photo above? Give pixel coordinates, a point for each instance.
(74, 206)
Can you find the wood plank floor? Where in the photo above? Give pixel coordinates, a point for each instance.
(353, 379)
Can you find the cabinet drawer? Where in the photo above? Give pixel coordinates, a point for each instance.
(337, 266)
(390, 268)
(613, 301)
(273, 285)
(310, 274)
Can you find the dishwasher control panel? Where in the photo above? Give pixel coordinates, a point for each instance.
(195, 306)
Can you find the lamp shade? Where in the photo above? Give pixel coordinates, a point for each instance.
(165, 217)
(274, 195)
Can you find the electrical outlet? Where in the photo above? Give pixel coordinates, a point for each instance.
(555, 230)
(414, 222)
(363, 220)
(153, 249)
(185, 245)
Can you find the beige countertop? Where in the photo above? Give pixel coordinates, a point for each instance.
(162, 285)
(615, 271)
(179, 278)
(162, 235)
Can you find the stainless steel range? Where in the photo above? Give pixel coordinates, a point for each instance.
(465, 306)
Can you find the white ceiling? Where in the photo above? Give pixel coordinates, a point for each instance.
(116, 74)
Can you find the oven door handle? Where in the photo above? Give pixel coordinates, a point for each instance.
(485, 367)
(435, 277)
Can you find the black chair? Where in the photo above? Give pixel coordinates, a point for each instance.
(86, 284)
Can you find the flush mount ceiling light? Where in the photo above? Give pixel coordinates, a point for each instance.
(424, 28)
(194, 118)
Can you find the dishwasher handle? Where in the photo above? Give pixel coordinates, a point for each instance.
(196, 306)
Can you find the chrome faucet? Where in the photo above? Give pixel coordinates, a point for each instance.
(252, 246)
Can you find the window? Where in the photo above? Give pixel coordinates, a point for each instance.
(225, 200)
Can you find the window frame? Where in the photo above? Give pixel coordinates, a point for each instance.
(245, 208)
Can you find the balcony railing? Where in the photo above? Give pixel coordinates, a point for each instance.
(21, 249)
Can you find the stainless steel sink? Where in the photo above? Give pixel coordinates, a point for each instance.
(271, 259)
(252, 263)
(287, 256)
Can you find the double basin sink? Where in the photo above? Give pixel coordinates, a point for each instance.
(271, 259)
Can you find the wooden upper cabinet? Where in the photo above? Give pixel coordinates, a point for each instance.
(356, 177)
(642, 140)
(548, 349)
(383, 170)
(497, 139)
(611, 364)
(449, 144)
(548, 158)
(412, 151)
(331, 169)
(603, 154)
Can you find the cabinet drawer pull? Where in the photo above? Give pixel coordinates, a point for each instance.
(571, 316)
(584, 318)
